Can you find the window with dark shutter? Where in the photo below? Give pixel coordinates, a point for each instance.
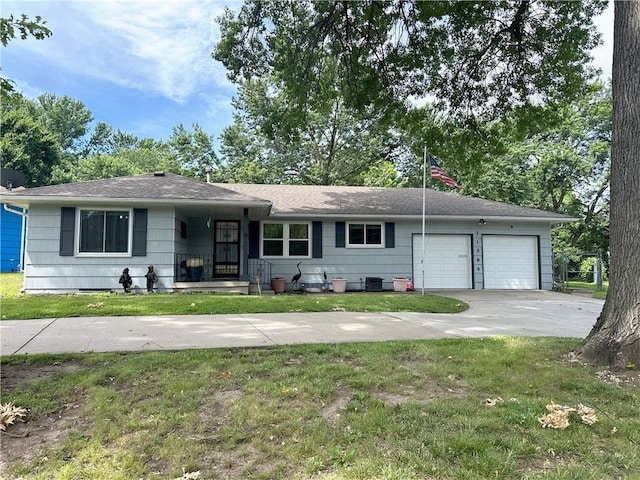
(390, 235)
(254, 239)
(139, 248)
(316, 236)
(340, 235)
(67, 231)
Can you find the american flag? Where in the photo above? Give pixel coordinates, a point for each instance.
(438, 173)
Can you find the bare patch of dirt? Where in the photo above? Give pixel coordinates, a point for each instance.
(332, 412)
(25, 441)
(13, 376)
(620, 377)
(214, 409)
(627, 377)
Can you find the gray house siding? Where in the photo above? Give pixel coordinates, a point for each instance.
(355, 264)
(47, 271)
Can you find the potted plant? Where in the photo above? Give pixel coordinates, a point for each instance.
(194, 268)
(400, 284)
(339, 284)
(278, 284)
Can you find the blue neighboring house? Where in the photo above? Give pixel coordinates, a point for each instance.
(12, 238)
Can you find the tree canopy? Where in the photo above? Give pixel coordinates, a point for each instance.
(472, 58)
(330, 145)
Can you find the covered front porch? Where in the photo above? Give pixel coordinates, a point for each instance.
(212, 251)
(201, 273)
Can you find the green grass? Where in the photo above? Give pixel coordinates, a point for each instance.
(394, 410)
(16, 306)
(10, 284)
(601, 294)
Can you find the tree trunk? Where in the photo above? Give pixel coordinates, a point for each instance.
(615, 338)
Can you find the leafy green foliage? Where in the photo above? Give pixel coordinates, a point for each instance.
(66, 118)
(474, 58)
(193, 151)
(27, 145)
(270, 141)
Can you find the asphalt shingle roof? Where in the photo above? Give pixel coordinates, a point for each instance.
(149, 186)
(331, 201)
(288, 200)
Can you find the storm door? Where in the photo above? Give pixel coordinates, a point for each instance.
(226, 249)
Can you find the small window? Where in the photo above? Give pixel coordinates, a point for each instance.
(104, 231)
(285, 240)
(365, 235)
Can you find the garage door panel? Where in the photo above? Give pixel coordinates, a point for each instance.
(447, 261)
(510, 262)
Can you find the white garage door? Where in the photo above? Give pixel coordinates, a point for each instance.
(510, 262)
(447, 261)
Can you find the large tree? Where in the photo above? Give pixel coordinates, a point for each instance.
(193, 150)
(328, 144)
(473, 58)
(615, 338)
(25, 143)
(477, 60)
(66, 118)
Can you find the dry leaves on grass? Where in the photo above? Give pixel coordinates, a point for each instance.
(10, 414)
(96, 305)
(558, 416)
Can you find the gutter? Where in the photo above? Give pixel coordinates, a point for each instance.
(419, 217)
(25, 200)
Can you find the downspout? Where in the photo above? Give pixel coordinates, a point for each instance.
(23, 230)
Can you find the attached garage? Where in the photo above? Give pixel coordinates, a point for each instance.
(510, 262)
(447, 261)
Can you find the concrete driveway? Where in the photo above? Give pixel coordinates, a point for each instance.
(491, 313)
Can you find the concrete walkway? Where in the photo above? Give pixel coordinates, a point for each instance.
(491, 313)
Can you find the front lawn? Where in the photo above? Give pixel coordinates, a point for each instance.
(442, 409)
(16, 306)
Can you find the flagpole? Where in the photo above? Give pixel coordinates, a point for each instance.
(424, 204)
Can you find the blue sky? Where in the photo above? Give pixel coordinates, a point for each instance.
(143, 66)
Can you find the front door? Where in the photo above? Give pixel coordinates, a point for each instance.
(226, 249)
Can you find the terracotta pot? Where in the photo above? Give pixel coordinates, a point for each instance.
(278, 284)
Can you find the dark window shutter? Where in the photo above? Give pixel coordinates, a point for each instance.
(316, 237)
(340, 235)
(139, 232)
(254, 239)
(390, 235)
(67, 231)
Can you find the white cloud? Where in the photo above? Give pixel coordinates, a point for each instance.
(159, 47)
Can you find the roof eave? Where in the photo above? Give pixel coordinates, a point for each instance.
(39, 199)
(427, 217)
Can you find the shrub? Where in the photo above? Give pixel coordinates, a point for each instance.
(586, 269)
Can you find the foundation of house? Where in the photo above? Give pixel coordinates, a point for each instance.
(219, 286)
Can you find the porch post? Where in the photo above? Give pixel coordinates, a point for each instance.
(244, 246)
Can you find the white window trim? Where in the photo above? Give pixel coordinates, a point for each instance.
(79, 211)
(365, 245)
(286, 239)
